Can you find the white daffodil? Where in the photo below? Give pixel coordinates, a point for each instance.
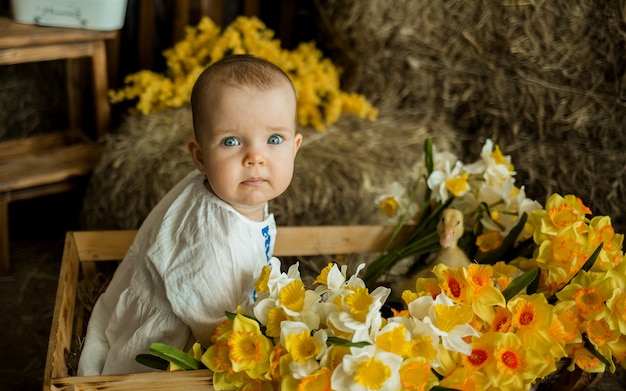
(358, 309)
(367, 368)
(499, 171)
(422, 340)
(305, 346)
(449, 180)
(393, 201)
(287, 299)
(447, 319)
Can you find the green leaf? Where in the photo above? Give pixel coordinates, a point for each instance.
(586, 267)
(428, 155)
(344, 342)
(175, 356)
(534, 285)
(519, 283)
(592, 349)
(592, 259)
(428, 162)
(507, 243)
(152, 361)
(232, 315)
(424, 239)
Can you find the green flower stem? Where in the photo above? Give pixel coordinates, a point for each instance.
(423, 245)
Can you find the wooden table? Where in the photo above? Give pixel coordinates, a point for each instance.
(50, 163)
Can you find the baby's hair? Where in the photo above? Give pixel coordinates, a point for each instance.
(235, 70)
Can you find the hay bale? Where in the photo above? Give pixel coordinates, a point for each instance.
(337, 177)
(145, 158)
(544, 79)
(33, 99)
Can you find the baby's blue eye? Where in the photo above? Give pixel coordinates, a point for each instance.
(230, 141)
(275, 139)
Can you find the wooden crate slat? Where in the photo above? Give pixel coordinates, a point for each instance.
(112, 245)
(63, 316)
(54, 165)
(103, 245)
(293, 241)
(198, 380)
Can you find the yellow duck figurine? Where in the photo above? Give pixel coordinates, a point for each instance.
(450, 229)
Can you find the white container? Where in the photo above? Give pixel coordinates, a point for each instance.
(86, 14)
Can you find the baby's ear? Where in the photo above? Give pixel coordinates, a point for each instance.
(196, 154)
(298, 141)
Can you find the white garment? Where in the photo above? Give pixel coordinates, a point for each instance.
(192, 259)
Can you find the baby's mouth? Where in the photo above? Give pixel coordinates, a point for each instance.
(255, 181)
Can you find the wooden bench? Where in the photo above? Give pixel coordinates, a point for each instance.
(85, 250)
(47, 164)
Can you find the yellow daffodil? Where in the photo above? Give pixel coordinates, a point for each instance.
(466, 379)
(503, 274)
(502, 320)
(617, 310)
(567, 312)
(516, 366)
(416, 375)
(485, 296)
(249, 349)
(275, 362)
(584, 359)
(562, 256)
(317, 381)
(530, 313)
(603, 338)
(589, 292)
(601, 231)
(481, 355)
(559, 213)
(489, 241)
(534, 323)
(453, 283)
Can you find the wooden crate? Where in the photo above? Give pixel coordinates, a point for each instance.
(84, 250)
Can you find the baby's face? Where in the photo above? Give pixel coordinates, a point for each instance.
(249, 145)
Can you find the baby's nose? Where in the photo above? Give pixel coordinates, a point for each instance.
(254, 157)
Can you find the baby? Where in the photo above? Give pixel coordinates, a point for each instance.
(207, 240)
